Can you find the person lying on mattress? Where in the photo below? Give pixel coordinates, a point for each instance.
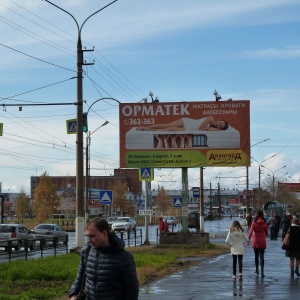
(187, 124)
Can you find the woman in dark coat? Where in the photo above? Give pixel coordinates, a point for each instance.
(294, 249)
(259, 230)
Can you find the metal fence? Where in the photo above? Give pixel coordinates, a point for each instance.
(46, 246)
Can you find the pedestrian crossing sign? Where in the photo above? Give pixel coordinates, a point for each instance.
(177, 202)
(106, 197)
(71, 126)
(146, 174)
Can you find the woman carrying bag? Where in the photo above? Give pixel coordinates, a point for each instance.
(293, 251)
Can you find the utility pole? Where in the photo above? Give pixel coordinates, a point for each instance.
(80, 207)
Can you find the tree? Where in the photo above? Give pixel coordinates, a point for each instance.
(22, 205)
(45, 201)
(6, 208)
(163, 201)
(120, 201)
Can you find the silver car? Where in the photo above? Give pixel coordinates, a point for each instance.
(50, 230)
(110, 220)
(124, 224)
(17, 233)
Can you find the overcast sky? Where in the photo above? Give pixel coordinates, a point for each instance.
(180, 50)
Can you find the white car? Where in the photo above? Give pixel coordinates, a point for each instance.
(110, 220)
(124, 224)
(171, 220)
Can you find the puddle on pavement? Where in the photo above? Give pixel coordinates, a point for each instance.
(191, 258)
(152, 290)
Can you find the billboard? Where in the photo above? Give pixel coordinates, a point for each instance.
(185, 134)
(290, 187)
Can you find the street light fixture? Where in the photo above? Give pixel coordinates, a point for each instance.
(87, 172)
(273, 176)
(210, 195)
(292, 178)
(79, 134)
(259, 173)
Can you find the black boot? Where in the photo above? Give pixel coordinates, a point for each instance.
(292, 274)
(262, 271)
(256, 269)
(297, 271)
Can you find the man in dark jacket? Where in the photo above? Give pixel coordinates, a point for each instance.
(110, 272)
(285, 225)
(278, 221)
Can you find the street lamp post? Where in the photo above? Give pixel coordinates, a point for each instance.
(87, 168)
(210, 192)
(273, 176)
(79, 133)
(259, 173)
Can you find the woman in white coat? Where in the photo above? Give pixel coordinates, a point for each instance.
(234, 239)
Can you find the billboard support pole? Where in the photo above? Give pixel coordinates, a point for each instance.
(2, 208)
(247, 191)
(201, 201)
(185, 195)
(147, 204)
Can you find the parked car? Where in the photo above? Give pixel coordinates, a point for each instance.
(110, 220)
(171, 220)
(124, 224)
(50, 230)
(15, 232)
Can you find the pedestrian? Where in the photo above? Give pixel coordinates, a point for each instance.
(259, 230)
(249, 220)
(234, 239)
(110, 271)
(161, 224)
(293, 251)
(284, 225)
(289, 217)
(272, 226)
(278, 220)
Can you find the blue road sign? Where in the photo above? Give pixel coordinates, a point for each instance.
(71, 126)
(146, 174)
(106, 197)
(177, 202)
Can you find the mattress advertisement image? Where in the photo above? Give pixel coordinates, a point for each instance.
(185, 134)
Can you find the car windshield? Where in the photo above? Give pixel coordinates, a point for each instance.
(111, 219)
(45, 226)
(123, 220)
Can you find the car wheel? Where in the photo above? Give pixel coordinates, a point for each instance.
(18, 246)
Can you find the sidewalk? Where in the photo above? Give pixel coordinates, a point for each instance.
(212, 279)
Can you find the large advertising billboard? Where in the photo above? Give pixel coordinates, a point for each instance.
(185, 134)
(292, 187)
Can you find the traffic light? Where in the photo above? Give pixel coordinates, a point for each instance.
(84, 122)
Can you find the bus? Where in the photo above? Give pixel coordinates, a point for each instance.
(242, 211)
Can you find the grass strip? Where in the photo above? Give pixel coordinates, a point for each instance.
(51, 277)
